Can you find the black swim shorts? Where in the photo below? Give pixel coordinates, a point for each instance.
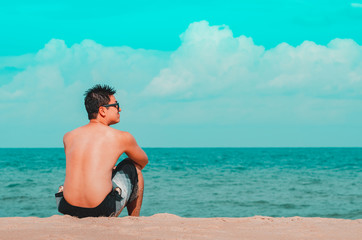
(124, 177)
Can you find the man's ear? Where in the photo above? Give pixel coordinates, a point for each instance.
(101, 111)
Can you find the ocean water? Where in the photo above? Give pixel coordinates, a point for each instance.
(206, 182)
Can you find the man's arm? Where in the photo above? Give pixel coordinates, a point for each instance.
(64, 140)
(134, 151)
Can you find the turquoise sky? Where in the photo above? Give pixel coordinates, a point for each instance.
(188, 74)
(28, 25)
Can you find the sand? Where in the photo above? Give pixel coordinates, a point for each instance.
(168, 226)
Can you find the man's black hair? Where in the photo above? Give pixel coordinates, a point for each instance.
(96, 97)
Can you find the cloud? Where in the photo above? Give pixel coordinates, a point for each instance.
(208, 62)
(61, 73)
(211, 61)
(356, 5)
(213, 79)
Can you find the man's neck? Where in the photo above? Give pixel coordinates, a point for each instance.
(98, 121)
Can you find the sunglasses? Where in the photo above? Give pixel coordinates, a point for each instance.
(116, 105)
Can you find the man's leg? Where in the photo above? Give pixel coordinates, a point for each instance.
(134, 207)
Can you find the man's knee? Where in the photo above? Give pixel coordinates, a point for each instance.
(138, 168)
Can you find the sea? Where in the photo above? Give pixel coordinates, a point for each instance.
(205, 182)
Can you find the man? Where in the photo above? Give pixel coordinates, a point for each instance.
(93, 186)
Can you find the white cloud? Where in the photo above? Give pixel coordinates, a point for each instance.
(356, 5)
(62, 73)
(211, 61)
(213, 78)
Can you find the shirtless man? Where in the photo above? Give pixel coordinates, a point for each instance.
(93, 186)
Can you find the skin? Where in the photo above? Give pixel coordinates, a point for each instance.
(91, 153)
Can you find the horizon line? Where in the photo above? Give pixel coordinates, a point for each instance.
(187, 147)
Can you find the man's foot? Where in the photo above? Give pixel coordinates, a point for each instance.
(60, 189)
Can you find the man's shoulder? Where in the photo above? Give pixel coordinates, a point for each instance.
(103, 130)
(122, 136)
(119, 133)
(67, 134)
(73, 132)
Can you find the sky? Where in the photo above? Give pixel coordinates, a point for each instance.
(187, 73)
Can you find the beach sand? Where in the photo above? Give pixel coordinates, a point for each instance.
(168, 226)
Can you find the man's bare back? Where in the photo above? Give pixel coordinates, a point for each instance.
(91, 154)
